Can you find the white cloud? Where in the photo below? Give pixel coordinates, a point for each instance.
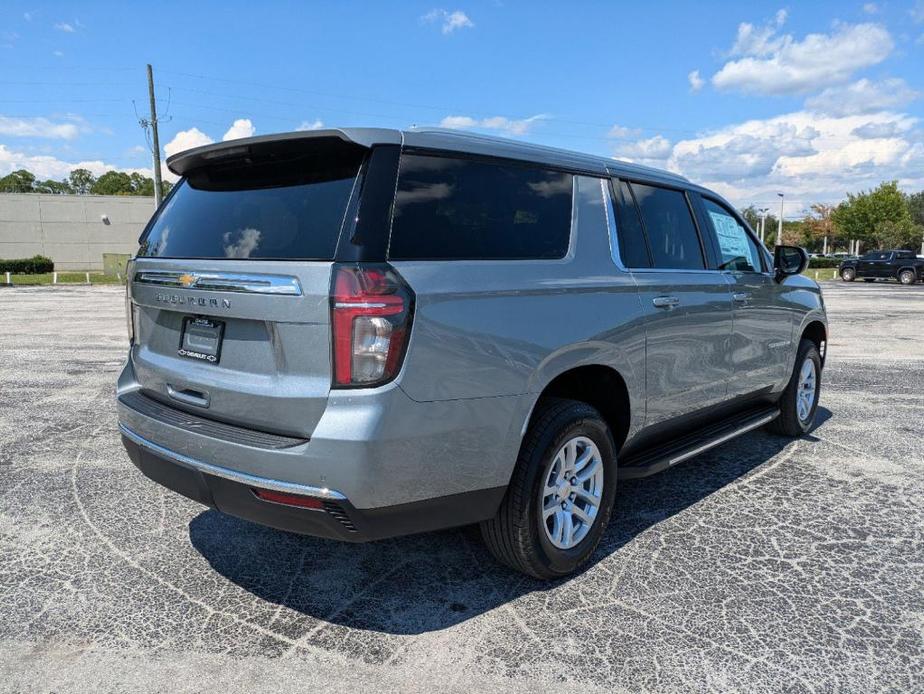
(65, 27)
(450, 21)
(696, 82)
(621, 132)
(315, 124)
(652, 151)
(242, 127)
(27, 16)
(37, 127)
(767, 62)
(501, 123)
(47, 166)
(863, 96)
(878, 130)
(187, 139)
(58, 54)
(871, 8)
(810, 156)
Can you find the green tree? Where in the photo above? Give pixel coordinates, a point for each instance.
(113, 183)
(81, 181)
(17, 182)
(56, 187)
(820, 226)
(916, 207)
(142, 185)
(861, 213)
(904, 234)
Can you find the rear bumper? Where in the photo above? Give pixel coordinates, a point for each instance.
(376, 447)
(234, 493)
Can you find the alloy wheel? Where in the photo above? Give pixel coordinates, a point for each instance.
(805, 395)
(572, 492)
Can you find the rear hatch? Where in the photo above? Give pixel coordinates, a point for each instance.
(231, 285)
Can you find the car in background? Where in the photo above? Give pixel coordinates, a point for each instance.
(900, 265)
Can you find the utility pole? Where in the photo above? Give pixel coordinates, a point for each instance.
(158, 185)
(779, 229)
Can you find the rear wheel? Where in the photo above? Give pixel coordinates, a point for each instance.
(906, 277)
(561, 493)
(848, 274)
(799, 401)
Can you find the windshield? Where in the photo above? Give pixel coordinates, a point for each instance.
(273, 207)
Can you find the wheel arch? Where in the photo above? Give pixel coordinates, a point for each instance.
(601, 386)
(816, 331)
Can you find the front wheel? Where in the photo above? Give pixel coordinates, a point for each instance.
(906, 277)
(799, 401)
(848, 274)
(560, 497)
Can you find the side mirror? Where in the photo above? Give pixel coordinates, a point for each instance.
(789, 260)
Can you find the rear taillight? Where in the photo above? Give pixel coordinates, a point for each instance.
(370, 315)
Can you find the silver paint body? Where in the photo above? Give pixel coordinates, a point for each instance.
(487, 337)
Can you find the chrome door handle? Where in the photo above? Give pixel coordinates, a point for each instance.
(741, 297)
(665, 301)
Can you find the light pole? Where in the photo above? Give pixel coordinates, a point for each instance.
(779, 228)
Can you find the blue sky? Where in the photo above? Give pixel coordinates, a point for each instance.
(813, 99)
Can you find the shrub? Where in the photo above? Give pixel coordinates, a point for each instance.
(28, 266)
(821, 263)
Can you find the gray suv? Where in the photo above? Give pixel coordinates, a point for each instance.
(364, 333)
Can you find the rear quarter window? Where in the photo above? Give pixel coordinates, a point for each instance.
(450, 208)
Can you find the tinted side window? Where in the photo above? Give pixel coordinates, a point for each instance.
(672, 235)
(738, 250)
(448, 208)
(633, 249)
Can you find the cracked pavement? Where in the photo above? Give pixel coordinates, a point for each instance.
(763, 565)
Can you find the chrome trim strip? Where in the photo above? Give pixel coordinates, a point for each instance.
(233, 475)
(359, 304)
(722, 439)
(222, 282)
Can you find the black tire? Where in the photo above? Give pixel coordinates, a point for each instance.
(515, 536)
(789, 423)
(907, 277)
(848, 274)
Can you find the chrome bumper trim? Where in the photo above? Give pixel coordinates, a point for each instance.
(232, 475)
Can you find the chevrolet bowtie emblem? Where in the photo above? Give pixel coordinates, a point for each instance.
(188, 280)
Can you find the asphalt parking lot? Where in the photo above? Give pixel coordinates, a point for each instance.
(766, 564)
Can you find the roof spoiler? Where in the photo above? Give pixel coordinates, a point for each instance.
(184, 162)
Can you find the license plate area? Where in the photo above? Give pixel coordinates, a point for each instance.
(201, 339)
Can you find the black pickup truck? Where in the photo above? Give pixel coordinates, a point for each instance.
(903, 266)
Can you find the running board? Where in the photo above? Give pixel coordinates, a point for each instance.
(661, 457)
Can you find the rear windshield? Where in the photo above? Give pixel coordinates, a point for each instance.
(288, 207)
